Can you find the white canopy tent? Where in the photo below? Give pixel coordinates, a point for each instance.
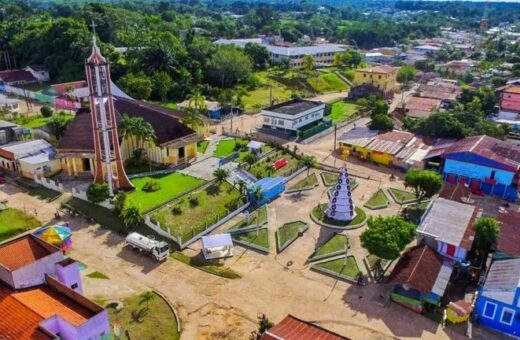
(217, 246)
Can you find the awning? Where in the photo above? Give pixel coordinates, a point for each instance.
(215, 241)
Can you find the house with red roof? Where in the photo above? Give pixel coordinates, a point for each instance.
(508, 242)
(41, 295)
(488, 165)
(17, 77)
(293, 328)
(510, 99)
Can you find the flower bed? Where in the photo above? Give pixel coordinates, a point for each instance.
(288, 233)
(340, 268)
(332, 247)
(402, 196)
(379, 200)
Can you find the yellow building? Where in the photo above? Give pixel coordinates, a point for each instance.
(458, 312)
(384, 77)
(380, 148)
(175, 143)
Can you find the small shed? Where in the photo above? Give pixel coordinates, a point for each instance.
(270, 188)
(458, 311)
(217, 246)
(255, 147)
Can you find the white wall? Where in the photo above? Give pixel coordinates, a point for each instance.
(34, 273)
(82, 195)
(49, 183)
(293, 122)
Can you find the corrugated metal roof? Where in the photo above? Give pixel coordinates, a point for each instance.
(26, 148)
(502, 280)
(448, 221)
(359, 136)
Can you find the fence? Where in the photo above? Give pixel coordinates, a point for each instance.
(48, 183)
(82, 195)
(207, 229)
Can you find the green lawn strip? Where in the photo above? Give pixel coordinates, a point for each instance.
(287, 233)
(348, 269)
(257, 239)
(202, 146)
(306, 183)
(14, 222)
(172, 185)
(257, 217)
(341, 111)
(143, 315)
(329, 178)
(333, 246)
(227, 147)
(379, 200)
(213, 203)
(199, 263)
(402, 196)
(109, 220)
(264, 167)
(98, 275)
(36, 121)
(327, 82)
(318, 213)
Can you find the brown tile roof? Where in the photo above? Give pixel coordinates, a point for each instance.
(23, 251)
(47, 302)
(79, 135)
(292, 328)
(10, 76)
(384, 69)
(62, 88)
(418, 107)
(18, 321)
(418, 267)
(509, 238)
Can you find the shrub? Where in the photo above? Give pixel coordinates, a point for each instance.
(194, 201)
(97, 193)
(46, 111)
(151, 186)
(176, 210)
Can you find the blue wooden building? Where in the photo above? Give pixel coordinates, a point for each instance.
(488, 165)
(270, 188)
(498, 302)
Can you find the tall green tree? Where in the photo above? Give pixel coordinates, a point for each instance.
(228, 66)
(386, 237)
(131, 216)
(486, 233)
(424, 183)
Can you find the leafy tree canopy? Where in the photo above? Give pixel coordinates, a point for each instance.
(386, 237)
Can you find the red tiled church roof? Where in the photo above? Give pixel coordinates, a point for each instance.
(292, 328)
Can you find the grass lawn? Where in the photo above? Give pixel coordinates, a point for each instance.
(347, 268)
(333, 245)
(202, 146)
(258, 216)
(319, 214)
(401, 196)
(226, 147)
(36, 121)
(327, 82)
(143, 316)
(172, 185)
(378, 200)
(259, 238)
(14, 222)
(341, 111)
(213, 204)
(264, 167)
(260, 97)
(199, 263)
(289, 232)
(308, 182)
(98, 275)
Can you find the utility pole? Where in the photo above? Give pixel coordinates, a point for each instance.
(334, 146)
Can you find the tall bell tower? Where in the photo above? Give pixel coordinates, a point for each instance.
(108, 165)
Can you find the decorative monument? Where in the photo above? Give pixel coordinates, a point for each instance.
(341, 207)
(108, 165)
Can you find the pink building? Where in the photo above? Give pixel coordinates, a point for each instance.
(41, 295)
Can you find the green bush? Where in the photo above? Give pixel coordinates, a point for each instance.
(46, 111)
(176, 210)
(194, 201)
(151, 186)
(97, 193)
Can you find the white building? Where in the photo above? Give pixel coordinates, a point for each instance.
(428, 50)
(29, 158)
(293, 114)
(39, 72)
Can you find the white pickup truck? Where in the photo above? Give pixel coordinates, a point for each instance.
(159, 250)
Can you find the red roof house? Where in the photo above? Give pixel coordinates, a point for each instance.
(17, 77)
(510, 99)
(508, 241)
(292, 328)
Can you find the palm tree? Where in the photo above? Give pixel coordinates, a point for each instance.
(257, 194)
(220, 174)
(308, 63)
(131, 217)
(250, 159)
(138, 128)
(160, 57)
(309, 162)
(242, 186)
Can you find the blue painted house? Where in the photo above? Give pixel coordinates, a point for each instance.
(498, 302)
(270, 188)
(488, 165)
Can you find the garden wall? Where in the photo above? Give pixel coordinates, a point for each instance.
(82, 195)
(49, 183)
